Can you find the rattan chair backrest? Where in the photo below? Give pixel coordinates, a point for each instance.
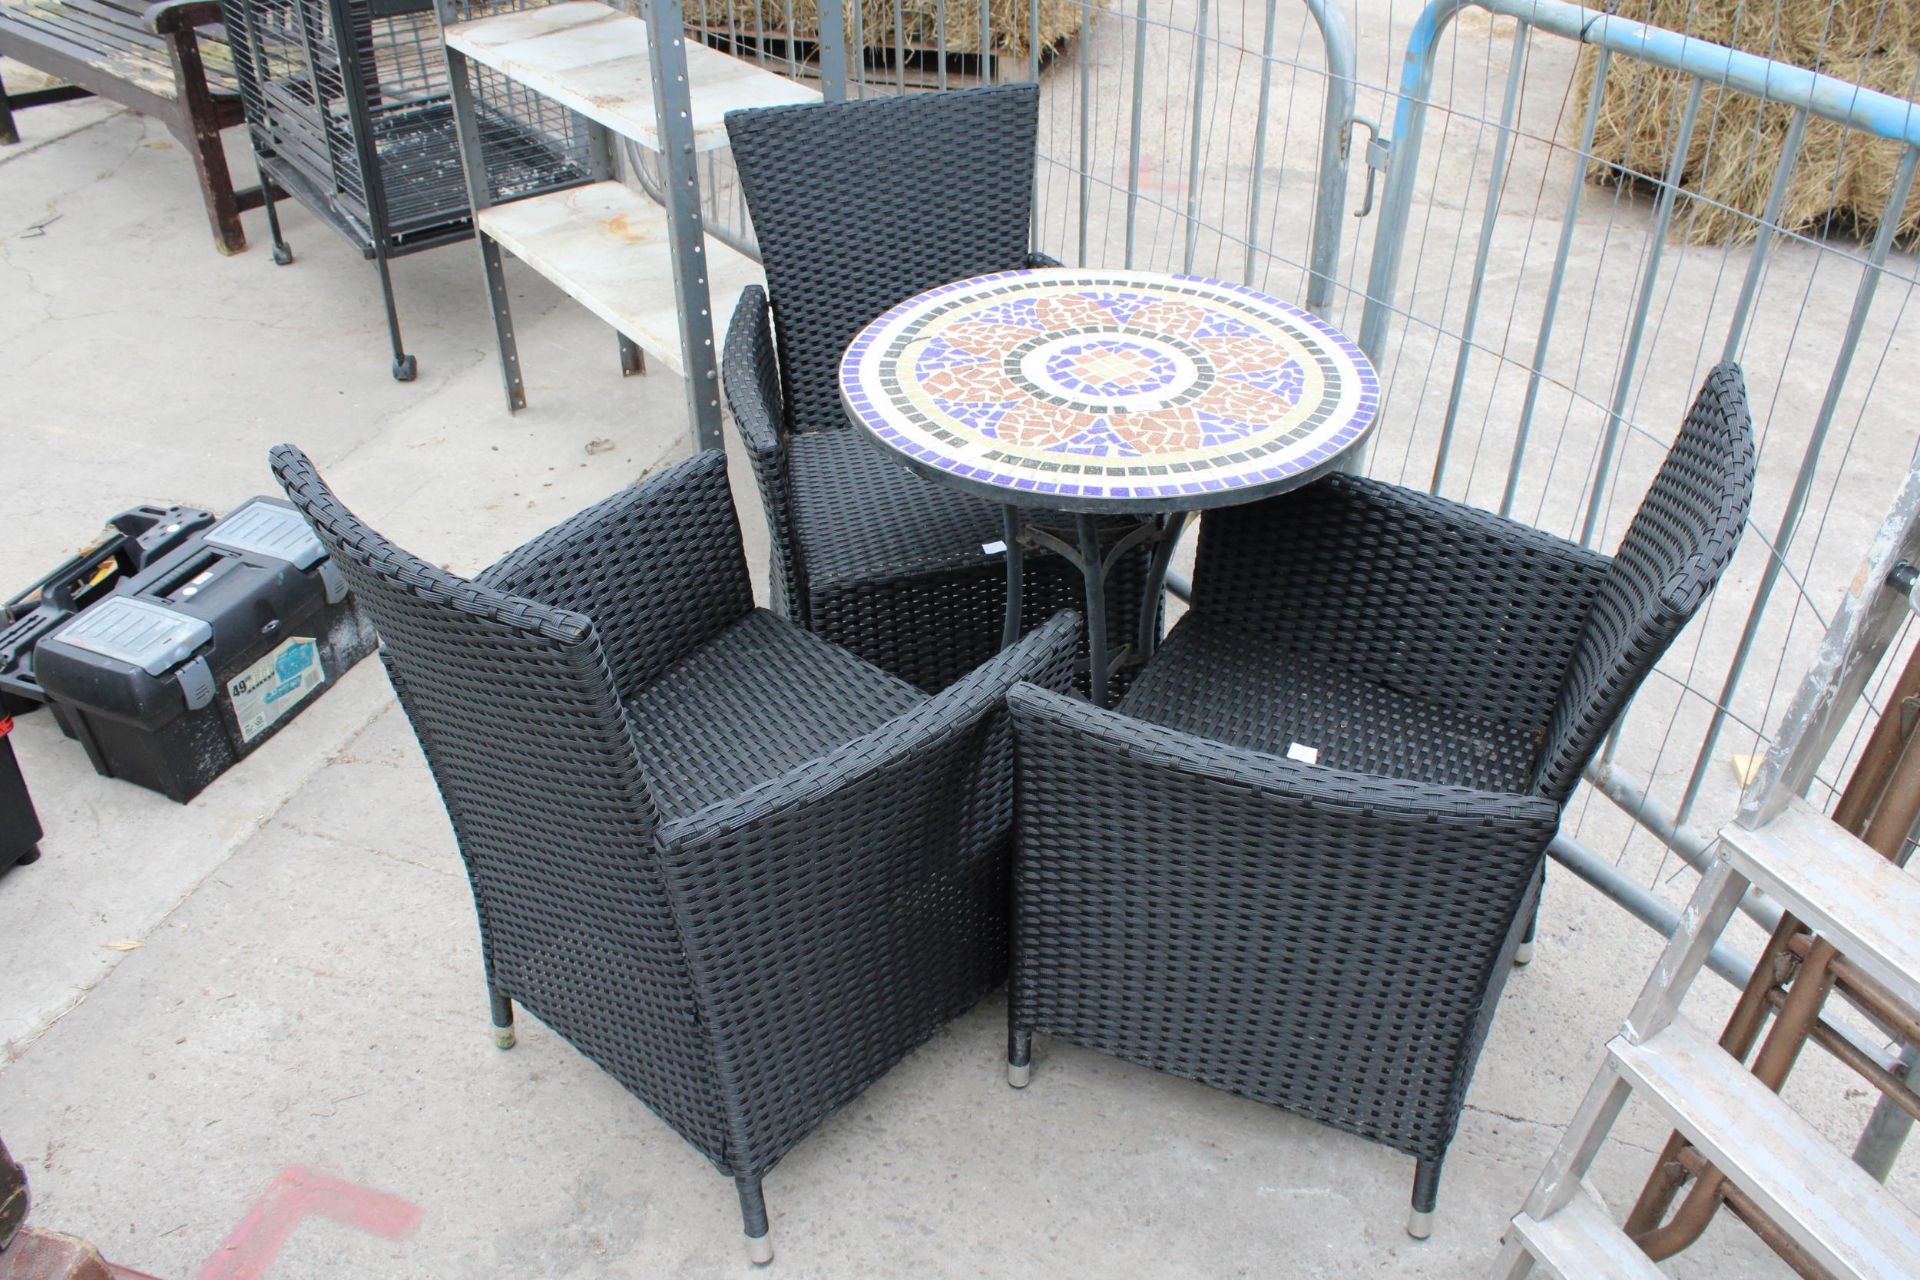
(858, 206)
(1680, 541)
(512, 700)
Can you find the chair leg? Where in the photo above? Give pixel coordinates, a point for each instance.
(1019, 1057)
(502, 1021)
(753, 1217)
(1426, 1193)
(8, 133)
(199, 131)
(1523, 954)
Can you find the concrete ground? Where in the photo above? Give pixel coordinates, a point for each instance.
(247, 1036)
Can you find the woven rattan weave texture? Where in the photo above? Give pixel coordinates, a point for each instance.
(1332, 938)
(737, 867)
(858, 206)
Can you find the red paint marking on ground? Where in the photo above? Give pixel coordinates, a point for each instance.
(293, 1196)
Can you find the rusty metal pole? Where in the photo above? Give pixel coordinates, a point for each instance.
(1884, 748)
(1776, 968)
(1899, 806)
(1888, 775)
(1798, 1014)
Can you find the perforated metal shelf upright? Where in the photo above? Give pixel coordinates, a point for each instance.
(648, 269)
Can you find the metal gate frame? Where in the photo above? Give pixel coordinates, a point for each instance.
(1809, 93)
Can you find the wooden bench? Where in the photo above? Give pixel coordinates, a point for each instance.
(159, 60)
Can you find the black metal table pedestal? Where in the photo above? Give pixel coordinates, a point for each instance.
(1084, 552)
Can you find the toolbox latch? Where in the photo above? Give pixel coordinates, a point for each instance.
(196, 682)
(334, 581)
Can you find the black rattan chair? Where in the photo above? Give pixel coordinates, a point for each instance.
(858, 206)
(1332, 937)
(734, 865)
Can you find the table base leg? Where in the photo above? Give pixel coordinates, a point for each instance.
(1172, 525)
(1093, 568)
(1016, 574)
(1085, 554)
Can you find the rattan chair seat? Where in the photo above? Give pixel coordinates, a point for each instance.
(864, 518)
(1216, 681)
(750, 704)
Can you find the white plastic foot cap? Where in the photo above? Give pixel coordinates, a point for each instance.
(1420, 1223)
(1523, 954)
(503, 1037)
(760, 1249)
(1018, 1076)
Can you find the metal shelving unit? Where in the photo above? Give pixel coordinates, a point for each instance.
(645, 266)
(349, 111)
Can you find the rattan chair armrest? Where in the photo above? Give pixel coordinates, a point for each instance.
(1431, 597)
(658, 567)
(1042, 659)
(1167, 755)
(750, 376)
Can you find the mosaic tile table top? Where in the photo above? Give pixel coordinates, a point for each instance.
(1109, 390)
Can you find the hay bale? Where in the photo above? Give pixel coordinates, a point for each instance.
(1843, 177)
(1009, 22)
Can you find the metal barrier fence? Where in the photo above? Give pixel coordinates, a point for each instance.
(1540, 315)
(1551, 394)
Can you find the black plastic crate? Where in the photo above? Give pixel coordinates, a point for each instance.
(19, 824)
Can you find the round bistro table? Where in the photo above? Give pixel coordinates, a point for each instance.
(1107, 393)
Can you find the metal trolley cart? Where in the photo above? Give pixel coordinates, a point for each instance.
(350, 112)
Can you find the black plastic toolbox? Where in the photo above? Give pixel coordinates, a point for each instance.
(205, 653)
(137, 537)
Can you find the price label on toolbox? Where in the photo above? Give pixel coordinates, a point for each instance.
(265, 692)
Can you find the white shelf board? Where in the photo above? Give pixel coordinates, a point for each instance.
(593, 59)
(606, 245)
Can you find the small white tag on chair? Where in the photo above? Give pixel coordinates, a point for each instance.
(1303, 753)
(993, 548)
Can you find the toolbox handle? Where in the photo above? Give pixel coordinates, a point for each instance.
(58, 587)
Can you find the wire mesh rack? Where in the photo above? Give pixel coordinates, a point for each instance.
(350, 112)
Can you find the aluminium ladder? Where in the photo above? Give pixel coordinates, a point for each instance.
(1846, 893)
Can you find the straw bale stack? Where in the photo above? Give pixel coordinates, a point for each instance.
(1842, 179)
(1009, 22)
